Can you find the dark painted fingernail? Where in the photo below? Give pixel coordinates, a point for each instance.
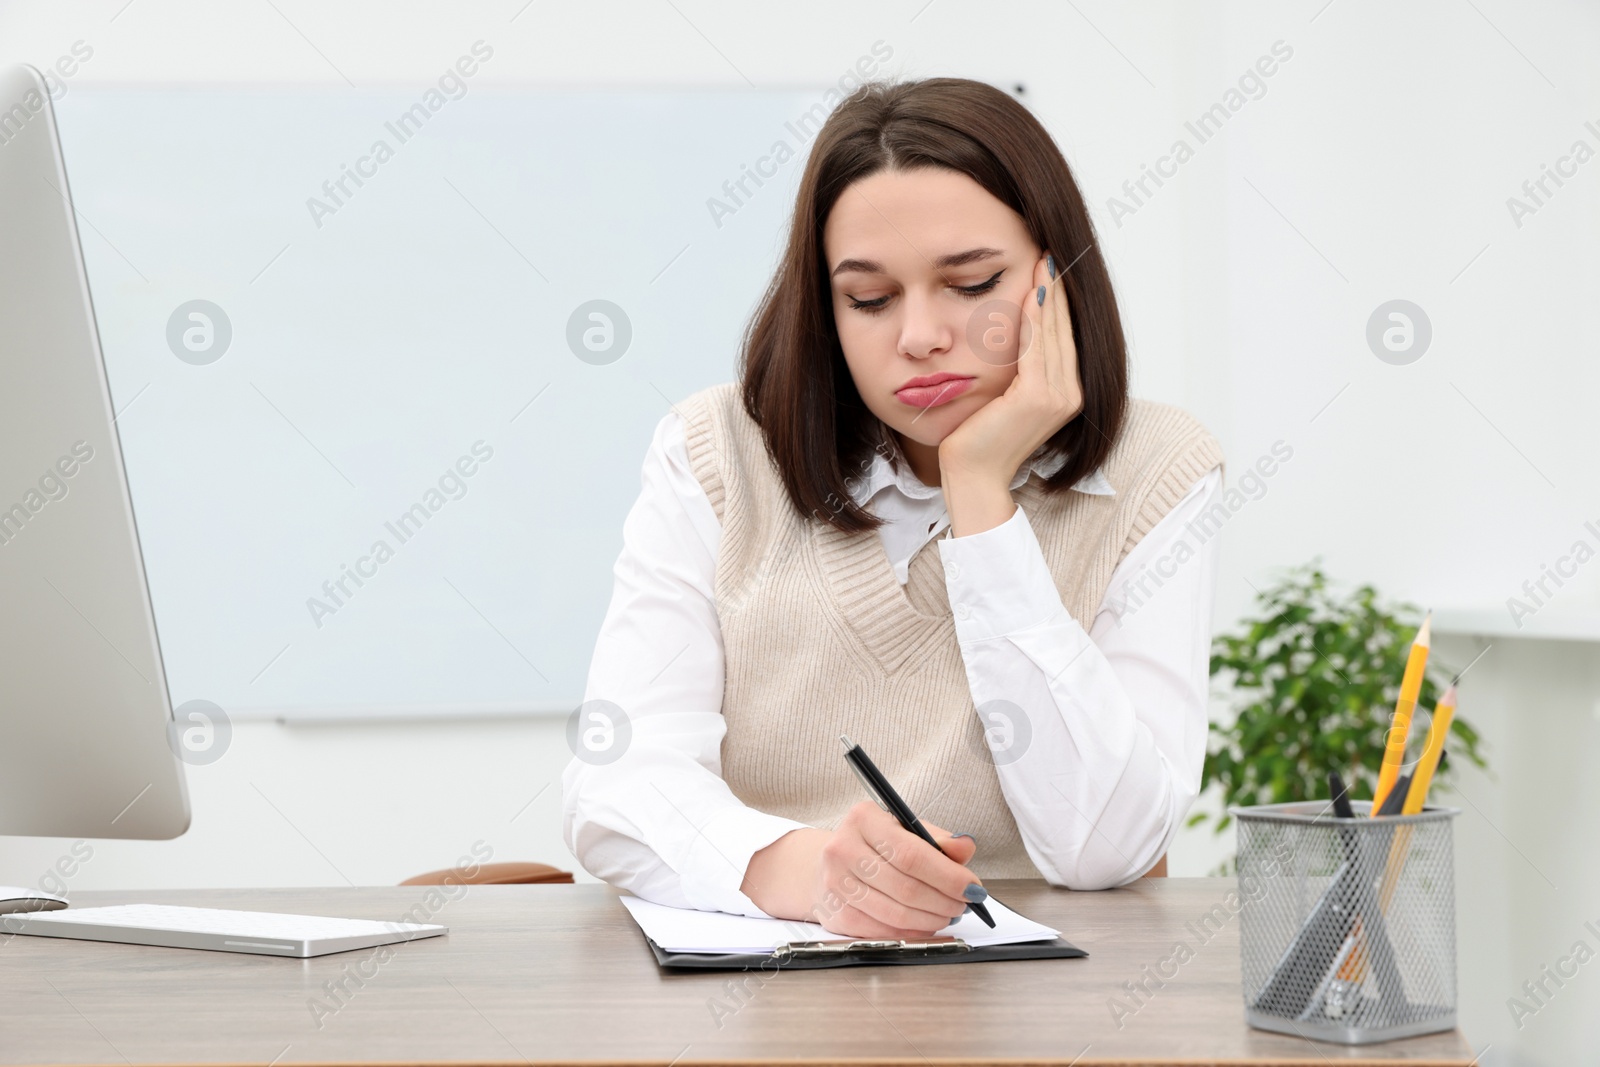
(969, 837)
(956, 920)
(1050, 261)
(975, 893)
(1041, 296)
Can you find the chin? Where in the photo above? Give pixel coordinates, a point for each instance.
(919, 433)
(936, 424)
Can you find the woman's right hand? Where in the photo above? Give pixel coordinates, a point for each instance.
(867, 878)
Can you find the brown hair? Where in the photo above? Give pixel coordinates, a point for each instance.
(796, 385)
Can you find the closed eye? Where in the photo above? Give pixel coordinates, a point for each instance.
(969, 291)
(981, 287)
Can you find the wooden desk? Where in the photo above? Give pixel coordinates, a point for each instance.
(561, 973)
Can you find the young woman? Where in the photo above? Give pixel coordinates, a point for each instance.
(928, 516)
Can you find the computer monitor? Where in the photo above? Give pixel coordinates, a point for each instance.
(85, 717)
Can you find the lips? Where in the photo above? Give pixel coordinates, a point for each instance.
(934, 389)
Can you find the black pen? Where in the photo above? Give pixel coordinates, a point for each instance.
(1393, 802)
(890, 801)
(1341, 797)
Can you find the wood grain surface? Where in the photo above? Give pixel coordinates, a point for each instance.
(561, 974)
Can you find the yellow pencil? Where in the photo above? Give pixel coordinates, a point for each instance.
(1416, 796)
(1394, 752)
(1422, 777)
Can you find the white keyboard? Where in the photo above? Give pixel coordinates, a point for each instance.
(262, 932)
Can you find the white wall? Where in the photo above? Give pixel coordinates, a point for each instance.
(1377, 165)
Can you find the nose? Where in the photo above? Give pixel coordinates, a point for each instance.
(924, 329)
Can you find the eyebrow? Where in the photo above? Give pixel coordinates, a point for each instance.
(954, 259)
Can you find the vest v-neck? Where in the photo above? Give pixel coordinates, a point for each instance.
(871, 599)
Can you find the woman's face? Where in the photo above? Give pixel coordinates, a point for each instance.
(928, 273)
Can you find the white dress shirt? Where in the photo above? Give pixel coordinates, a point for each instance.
(1126, 742)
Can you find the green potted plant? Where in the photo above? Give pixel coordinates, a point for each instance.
(1313, 682)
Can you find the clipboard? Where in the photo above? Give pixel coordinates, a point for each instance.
(718, 941)
(854, 952)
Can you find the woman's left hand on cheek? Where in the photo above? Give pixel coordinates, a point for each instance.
(1045, 395)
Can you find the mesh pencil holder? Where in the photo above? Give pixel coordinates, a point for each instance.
(1347, 930)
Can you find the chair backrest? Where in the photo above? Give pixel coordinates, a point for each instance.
(496, 874)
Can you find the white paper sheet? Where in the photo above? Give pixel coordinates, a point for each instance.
(683, 930)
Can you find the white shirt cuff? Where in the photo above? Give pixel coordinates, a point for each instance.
(998, 581)
(717, 857)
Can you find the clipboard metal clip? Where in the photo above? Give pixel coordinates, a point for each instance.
(932, 946)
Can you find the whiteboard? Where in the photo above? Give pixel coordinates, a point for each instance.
(405, 346)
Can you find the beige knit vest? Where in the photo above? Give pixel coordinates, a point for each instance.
(820, 639)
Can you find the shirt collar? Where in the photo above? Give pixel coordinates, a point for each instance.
(880, 474)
